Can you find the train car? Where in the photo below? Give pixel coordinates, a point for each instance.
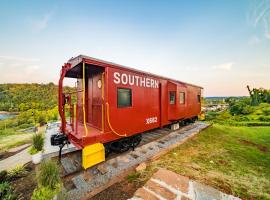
(114, 105)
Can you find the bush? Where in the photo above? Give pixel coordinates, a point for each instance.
(44, 193)
(49, 175)
(37, 143)
(241, 107)
(6, 192)
(264, 119)
(17, 172)
(3, 176)
(266, 111)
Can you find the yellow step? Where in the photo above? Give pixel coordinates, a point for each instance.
(92, 155)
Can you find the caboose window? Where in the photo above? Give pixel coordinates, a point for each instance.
(123, 97)
(182, 98)
(199, 98)
(172, 97)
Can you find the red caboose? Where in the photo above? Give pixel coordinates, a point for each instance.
(115, 104)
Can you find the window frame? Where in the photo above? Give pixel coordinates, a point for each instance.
(198, 98)
(118, 106)
(172, 92)
(184, 99)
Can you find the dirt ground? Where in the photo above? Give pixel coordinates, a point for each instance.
(25, 185)
(120, 191)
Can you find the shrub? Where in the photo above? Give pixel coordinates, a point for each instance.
(6, 192)
(17, 172)
(3, 176)
(241, 107)
(264, 119)
(37, 143)
(49, 174)
(44, 193)
(266, 111)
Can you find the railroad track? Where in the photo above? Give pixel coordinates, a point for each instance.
(83, 184)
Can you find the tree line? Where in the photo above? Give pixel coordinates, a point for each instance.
(36, 103)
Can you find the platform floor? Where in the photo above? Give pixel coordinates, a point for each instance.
(81, 137)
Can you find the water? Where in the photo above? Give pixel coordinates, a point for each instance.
(6, 116)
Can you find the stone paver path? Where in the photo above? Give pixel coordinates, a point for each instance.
(18, 159)
(23, 156)
(166, 184)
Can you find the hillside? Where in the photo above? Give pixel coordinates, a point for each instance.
(22, 97)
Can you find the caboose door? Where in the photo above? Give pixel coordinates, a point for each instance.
(95, 86)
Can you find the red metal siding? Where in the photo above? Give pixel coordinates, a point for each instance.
(145, 105)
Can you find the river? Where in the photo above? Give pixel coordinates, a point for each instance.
(6, 116)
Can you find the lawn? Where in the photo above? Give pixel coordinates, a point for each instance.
(235, 160)
(10, 138)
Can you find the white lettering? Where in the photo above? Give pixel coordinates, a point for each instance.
(156, 84)
(142, 81)
(152, 83)
(129, 78)
(116, 76)
(147, 82)
(151, 120)
(135, 80)
(124, 79)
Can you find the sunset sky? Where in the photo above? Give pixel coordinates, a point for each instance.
(220, 45)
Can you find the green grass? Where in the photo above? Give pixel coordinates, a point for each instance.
(235, 160)
(257, 116)
(10, 138)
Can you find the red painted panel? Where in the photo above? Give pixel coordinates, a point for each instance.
(144, 114)
(97, 101)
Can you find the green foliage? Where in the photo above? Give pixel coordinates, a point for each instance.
(22, 97)
(30, 118)
(241, 113)
(32, 150)
(49, 181)
(259, 96)
(49, 175)
(266, 111)
(3, 176)
(6, 192)
(44, 193)
(241, 108)
(37, 143)
(17, 172)
(37, 103)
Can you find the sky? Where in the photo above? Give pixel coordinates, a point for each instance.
(220, 45)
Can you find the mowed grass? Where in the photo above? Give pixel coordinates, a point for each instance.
(10, 138)
(235, 160)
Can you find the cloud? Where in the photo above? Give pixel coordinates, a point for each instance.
(42, 23)
(259, 16)
(225, 66)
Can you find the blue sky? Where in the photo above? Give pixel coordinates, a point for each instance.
(220, 45)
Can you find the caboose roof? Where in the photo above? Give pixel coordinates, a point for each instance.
(95, 61)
